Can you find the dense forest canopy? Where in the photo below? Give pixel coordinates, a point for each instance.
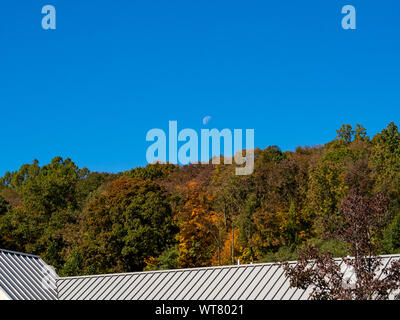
(165, 216)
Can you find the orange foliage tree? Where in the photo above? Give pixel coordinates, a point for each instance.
(201, 233)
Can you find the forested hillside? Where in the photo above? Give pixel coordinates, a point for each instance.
(169, 216)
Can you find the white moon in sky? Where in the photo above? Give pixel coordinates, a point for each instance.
(206, 119)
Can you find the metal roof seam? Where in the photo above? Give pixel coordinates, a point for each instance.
(179, 275)
(23, 275)
(244, 281)
(201, 274)
(254, 277)
(193, 275)
(277, 291)
(135, 279)
(169, 279)
(141, 280)
(124, 280)
(205, 280)
(106, 288)
(259, 273)
(233, 283)
(132, 280)
(223, 282)
(276, 269)
(158, 286)
(69, 289)
(102, 284)
(7, 287)
(184, 279)
(82, 290)
(212, 277)
(12, 278)
(149, 286)
(217, 284)
(66, 290)
(96, 282)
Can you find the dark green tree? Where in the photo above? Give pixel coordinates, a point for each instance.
(126, 224)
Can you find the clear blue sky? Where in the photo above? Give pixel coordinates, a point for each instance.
(112, 70)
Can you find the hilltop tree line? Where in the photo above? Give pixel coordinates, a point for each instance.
(166, 216)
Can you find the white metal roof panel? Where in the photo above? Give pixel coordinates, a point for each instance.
(168, 287)
(26, 277)
(265, 281)
(22, 277)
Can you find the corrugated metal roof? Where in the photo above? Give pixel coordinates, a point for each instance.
(26, 277)
(243, 282)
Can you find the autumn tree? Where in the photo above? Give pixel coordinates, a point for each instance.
(345, 133)
(280, 219)
(201, 229)
(232, 195)
(3, 205)
(386, 161)
(391, 240)
(152, 171)
(362, 219)
(360, 133)
(5, 227)
(127, 223)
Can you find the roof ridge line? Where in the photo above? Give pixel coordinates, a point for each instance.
(199, 268)
(174, 270)
(20, 253)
